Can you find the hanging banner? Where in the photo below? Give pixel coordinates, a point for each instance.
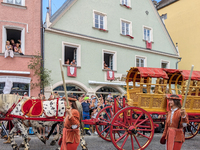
(71, 71)
(110, 75)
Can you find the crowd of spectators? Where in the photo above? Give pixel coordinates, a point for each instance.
(12, 48)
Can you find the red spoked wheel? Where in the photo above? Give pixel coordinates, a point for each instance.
(191, 130)
(103, 125)
(135, 126)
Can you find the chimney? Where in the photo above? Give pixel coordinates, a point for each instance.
(50, 8)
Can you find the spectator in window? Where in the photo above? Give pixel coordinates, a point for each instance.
(17, 49)
(73, 63)
(12, 42)
(106, 66)
(9, 50)
(67, 62)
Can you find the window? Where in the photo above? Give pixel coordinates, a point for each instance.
(147, 34)
(99, 20)
(18, 88)
(140, 61)
(15, 2)
(126, 27)
(126, 3)
(165, 64)
(109, 58)
(163, 17)
(13, 33)
(70, 52)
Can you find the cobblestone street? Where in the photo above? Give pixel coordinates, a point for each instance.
(96, 143)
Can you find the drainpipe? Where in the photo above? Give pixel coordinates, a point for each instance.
(179, 55)
(178, 62)
(42, 45)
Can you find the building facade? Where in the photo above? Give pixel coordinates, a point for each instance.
(105, 38)
(20, 21)
(181, 18)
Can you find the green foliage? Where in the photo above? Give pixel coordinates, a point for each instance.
(42, 74)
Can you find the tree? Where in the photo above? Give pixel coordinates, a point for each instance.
(42, 74)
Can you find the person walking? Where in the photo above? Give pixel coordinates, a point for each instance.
(176, 120)
(71, 132)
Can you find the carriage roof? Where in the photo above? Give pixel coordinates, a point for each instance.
(145, 72)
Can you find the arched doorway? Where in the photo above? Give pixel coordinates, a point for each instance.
(71, 89)
(105, 90)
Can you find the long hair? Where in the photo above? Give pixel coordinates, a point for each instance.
(74, 106)
(177, 102)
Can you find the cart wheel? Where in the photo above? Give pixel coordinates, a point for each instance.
(131, 123)
(191, 130)
(103, 126)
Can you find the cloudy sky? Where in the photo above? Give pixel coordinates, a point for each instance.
(55, 5)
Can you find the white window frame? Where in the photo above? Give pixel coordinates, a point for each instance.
(23, 2)
(151, 33)
(141, 57)
(4, 37)
(128, 2)
(78, 52)
(165, 61)
(104, 19)
(114, 53)
(130, 26)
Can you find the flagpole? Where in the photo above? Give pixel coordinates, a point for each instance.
(64, 85)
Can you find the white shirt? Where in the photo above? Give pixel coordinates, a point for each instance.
(173, 110)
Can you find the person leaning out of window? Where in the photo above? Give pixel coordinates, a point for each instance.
(8, 50)
(73, 63)
(176, 120)
(17, 49)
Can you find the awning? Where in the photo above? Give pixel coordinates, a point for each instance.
(186, 74)
(152, 72)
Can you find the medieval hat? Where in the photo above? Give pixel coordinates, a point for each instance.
(174, 97)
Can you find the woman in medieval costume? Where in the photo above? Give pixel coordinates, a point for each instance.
(176, 119)
(71, 132)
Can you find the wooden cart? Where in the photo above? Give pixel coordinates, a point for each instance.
(148, 90)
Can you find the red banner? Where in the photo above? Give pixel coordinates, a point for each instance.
(110, 75)
(71, 71)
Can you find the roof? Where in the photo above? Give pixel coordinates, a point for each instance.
(145, 72)
(61, 9)
(164, 3)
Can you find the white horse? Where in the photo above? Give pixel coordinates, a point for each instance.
(50, 109)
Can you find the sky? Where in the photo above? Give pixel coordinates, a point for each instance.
(56, 4)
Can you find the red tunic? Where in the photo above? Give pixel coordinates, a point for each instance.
(71, 135)
(174, 135)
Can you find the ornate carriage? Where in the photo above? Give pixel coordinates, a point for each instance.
(148, 90)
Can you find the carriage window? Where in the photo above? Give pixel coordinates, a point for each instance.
(18, 88)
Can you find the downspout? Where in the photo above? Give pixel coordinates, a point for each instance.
(179, 55)
(42, 46)
(178, 62)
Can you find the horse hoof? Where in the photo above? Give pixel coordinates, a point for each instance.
(22, 145)
(53, 143)
(43, 140)
(15, 147)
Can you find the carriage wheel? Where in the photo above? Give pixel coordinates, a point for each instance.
(103, 126)
(191, 130)
(135, 126)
